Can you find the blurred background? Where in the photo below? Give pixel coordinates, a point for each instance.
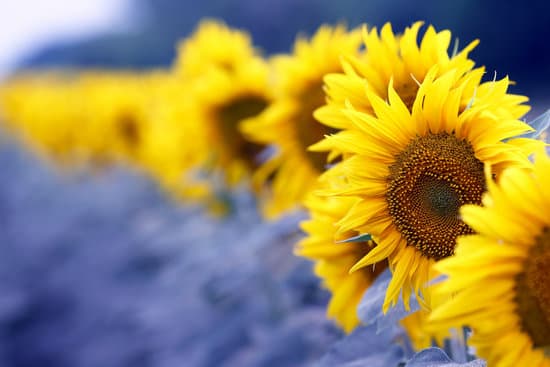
(106, 271)
(143, 33)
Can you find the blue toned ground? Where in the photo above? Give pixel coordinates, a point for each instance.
(103, 270)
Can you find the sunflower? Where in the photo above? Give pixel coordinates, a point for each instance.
(226, 82)
(422, 334)
(399, 59)
(334, 257)
(288, 123)
(498, 282)
(93, 116)
(391, 57)
(333, 260)
(41, 109)
(116, 113)
(411, 170)
(163, 152)
(213, 45)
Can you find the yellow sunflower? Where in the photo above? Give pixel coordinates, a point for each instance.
(498, 281)
(392, 57)
(227, 82)
(288, 123)
(420, 332)
(213, 45)
(164, 150)
(333, 260)
(116, 112)
(92, 116)
(42, 109)
(411, 170)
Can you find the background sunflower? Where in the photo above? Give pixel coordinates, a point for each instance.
(95, 117)
(288, 123)
(42, 110)
(226, 82)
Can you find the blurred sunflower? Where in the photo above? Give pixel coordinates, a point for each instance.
(421, 334)
(288, 123)
(93, 116)
(227, 82)
(164, 153)
(411, 170)
(502, 271)
(213, 45)
(334, 260)
(115, 113)
(42, 109)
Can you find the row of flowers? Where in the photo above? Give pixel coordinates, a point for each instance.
(403, 157)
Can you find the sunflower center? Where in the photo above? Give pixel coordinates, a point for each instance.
(308, 130)
(533, 292)
(229, 116)
(428, 183)
(128, 129)
(438, 197)
(407, 91)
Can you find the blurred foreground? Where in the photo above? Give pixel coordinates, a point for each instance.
(104, 271)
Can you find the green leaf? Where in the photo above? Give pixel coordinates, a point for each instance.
(360, 238)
